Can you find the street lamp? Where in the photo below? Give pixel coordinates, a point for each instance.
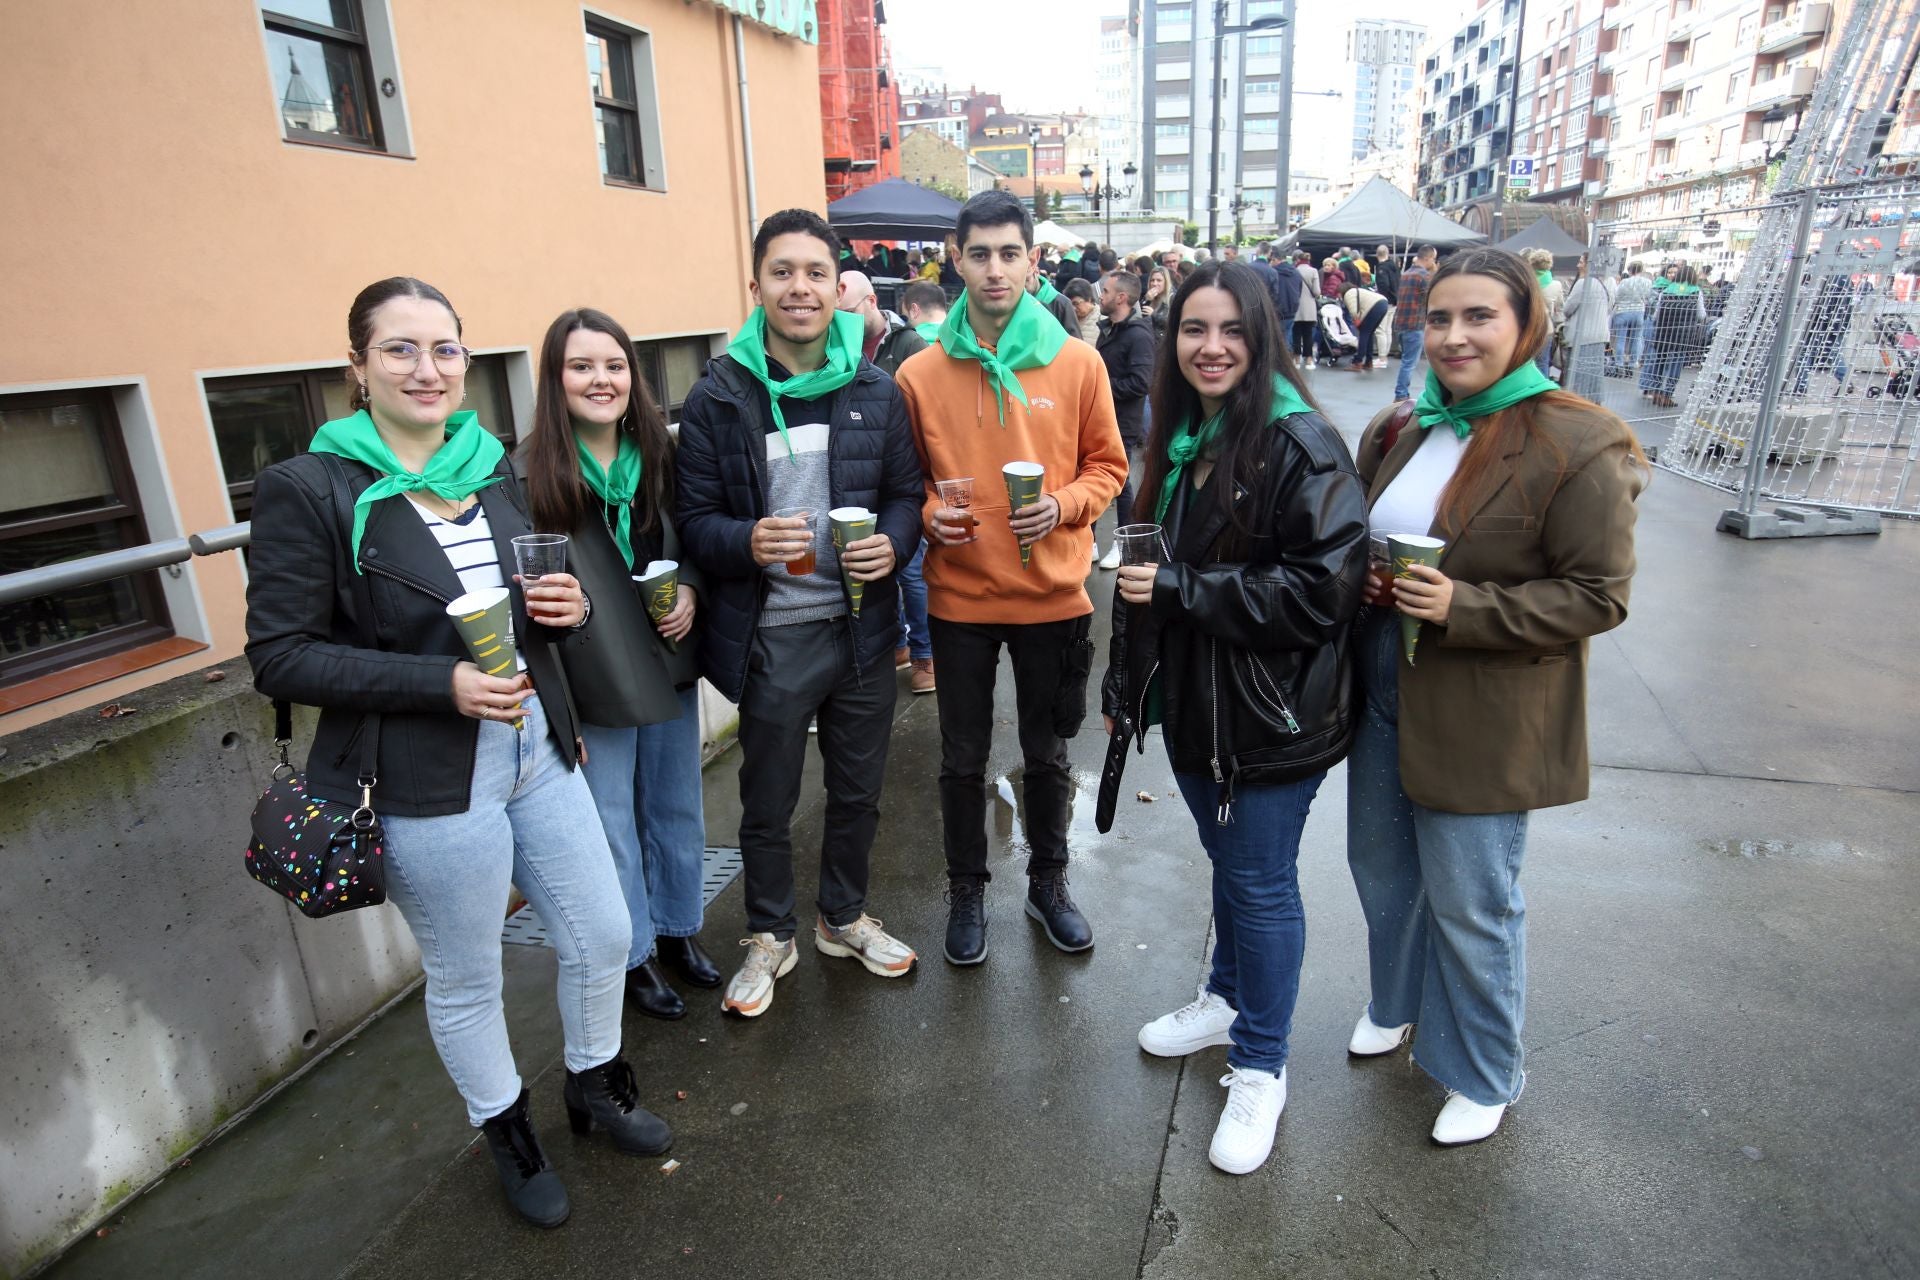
(1106, 193)
(1220, 32)
(1033, 167)
(1241, 205)
(1772, 124)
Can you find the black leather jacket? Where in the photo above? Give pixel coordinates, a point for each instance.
(308, 642)
(1252, 655)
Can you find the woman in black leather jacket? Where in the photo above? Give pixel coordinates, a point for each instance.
(355, 557)
(1235, 644)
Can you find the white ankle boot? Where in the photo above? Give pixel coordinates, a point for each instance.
(1371, 1040)
(1463, 1120)
(1244, 1137)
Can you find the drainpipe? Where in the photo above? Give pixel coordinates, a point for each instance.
(746, 125)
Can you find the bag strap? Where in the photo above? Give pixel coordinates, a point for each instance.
(1396, 423)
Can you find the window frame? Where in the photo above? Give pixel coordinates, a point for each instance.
(360, 46)
(648, 143)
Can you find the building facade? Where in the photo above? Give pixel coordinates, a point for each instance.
(1465, 108)
(1386, 63)
(187, 323)
(859, 100)
(954, 115)
(1560, 79)
(1118, 131)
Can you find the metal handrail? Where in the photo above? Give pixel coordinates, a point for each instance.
(108, 565)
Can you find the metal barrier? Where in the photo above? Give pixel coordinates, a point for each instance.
(108, 565)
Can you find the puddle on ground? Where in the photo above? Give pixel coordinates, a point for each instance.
(1826, 850)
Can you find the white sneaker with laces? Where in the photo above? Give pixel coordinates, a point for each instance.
(768, 959)
(1189, 1028)
(864, 940)
(1244, 1137)
(1370, 1040)
(1111, 560)
(1462, 1120)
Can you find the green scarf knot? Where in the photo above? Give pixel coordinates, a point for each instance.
(846, 343)
(1189, 443)
(615, 486)
(1522, 384)
(1046, 292)
(1031, 340)
(464, 465)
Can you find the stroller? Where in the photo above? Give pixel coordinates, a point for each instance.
(1337, 337)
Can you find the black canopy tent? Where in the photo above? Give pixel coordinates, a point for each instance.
(1547, 234)
(894, 210)
(1380, 213)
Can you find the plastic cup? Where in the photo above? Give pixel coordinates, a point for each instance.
(850, 524)
(536, 555)
(484, 619)
(1024, 481)
(1406, 550)
(1139, 543)
(659, 590)
(804, 563)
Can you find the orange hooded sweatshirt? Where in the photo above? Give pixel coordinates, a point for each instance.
(1067, 425)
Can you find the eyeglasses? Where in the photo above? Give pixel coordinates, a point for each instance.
(404, 357)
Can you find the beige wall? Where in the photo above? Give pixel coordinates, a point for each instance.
(158, 227)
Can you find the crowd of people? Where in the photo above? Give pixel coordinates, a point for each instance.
(1263, 634)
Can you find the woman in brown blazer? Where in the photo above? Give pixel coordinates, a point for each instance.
(1532, 490)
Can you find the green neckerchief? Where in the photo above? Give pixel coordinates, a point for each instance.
(1661, 284)
(1046, 293)
(846, 340)
(464, 465)
(1677, 290)
(1522, 384)
(1031, 339)
(1188, 444)
(1071, 255)
(1544, 277)
(614, 487)
(928, 329)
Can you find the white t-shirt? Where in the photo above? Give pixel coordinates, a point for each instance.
(468, 544)
(1410, 503)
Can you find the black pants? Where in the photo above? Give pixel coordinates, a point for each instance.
(794, 674)
(1304, 332)
(1051, 661)
(1368, 328)
(1123, 505)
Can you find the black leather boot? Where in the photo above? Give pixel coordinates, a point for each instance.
(533, 1188)
(966, 922)
(1049, 902)
(685, 956)
(647, 988)
(608, 1096)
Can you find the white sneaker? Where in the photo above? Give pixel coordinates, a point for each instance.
(1371, 1040)
(1243, 1139)
(1463, 1120)
(1309, 362)
(1111, 560)
(1189, 1028)
(864, 940)
(750, 993)
(1094, 550)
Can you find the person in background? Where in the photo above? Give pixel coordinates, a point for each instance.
(889, 339)
(1086, 310)
(1674, 322)
(914, 263)
(476, 779)
(1629, 321)
(897, 258)
(1126, 347)
(1589, 304)
(1386, 273)
(1410, 316)
(1555, 296)
(1050, 296)
(1306, 316)
(926, 307)
(878, 263)
(1155, 299)
(1367, 311)
(1285, 287)
(949, 275)
(1533, 491)
(929, 267)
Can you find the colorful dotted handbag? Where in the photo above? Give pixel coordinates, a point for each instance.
(323, 856)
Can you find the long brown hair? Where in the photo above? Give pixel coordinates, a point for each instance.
(556, 494)
(1504, 432)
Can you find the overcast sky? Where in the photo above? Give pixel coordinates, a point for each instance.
(1043, 55)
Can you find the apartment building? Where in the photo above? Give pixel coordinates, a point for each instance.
(1560, 79)
(183, 244)
(859, 101)
(1466, 88)
(1385, 57)
(1117, 135)
(954, 114)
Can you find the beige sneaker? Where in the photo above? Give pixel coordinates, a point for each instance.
(867, 942)
(751, 991)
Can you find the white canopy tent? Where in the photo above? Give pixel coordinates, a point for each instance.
(1051, 232)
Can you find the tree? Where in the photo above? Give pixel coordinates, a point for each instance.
(1190, 234)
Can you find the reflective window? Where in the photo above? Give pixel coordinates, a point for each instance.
(322, 73)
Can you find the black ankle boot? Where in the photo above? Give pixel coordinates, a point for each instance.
(647, 988)
(686, 956)
(966, 922)
(533, 1188)
(608, 1096)
(1049, 902)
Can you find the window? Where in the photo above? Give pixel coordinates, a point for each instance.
(67, 491)
(1163, 132)
(1692, 98)
(1624, 40)
(1748, 25)
(1646, 117)
(626, 118)
(323, 72)
(1173, 24)
(672, 366)
(1260, 127)
(1735, 84)
(1263, 46)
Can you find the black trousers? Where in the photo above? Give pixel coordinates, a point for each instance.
(1304, 332)
(1368, 328)
(795, 674)
(1051, 662)
(1123, 505)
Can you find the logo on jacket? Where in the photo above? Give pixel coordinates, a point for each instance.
(854, 414)
(1041, 402)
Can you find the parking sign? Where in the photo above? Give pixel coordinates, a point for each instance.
(1520, 171)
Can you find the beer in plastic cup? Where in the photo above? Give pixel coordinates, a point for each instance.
(804, 563)
(1139, 543)
(535, 555)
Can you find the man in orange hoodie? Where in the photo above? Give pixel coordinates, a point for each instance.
(1002, 385)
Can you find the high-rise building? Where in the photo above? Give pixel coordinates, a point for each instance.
(1560, 122)
(1118, 131)
(1385, 57)
(1466, 85)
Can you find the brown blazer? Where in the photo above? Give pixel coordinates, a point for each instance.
(1493, 716)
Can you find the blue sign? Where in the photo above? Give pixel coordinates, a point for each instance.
(1520, 167)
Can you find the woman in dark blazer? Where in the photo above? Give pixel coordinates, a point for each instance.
(355, 557)
(1532, 490)
(599, 466)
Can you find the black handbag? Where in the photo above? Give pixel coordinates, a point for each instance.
(323, 856)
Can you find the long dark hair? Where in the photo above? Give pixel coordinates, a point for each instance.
(556, 494)
(360, 323)
(1249, 406)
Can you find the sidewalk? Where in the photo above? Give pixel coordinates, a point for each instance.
(1720, 1028)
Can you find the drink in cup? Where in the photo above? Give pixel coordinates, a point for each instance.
(535, 555)
(1408, 549)
(1139, 543)
(957, 494)
(1023, 490)
(804, 563)
(850, 525)
(1379, 573)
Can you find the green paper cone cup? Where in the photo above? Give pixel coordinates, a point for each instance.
(850, 524)
(659, 589)
(1407, 549)
(1023, 490)
(484, 619)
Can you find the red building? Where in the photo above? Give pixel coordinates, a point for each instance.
(859, 101)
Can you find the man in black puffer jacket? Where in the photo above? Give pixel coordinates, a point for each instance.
(791, 647)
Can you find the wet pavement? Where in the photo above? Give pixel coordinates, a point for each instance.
(1720, 1023)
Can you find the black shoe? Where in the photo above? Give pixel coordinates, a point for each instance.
(608, 1096)
(647, 988)
(687, 958)
(1049, 902)
(966, 922)
(533, 1188)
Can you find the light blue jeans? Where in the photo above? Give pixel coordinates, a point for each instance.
(1446, 923)
(1629, 339)
(525, 825)
(646, 786)
(1412, 342)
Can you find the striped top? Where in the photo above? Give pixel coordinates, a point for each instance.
(468, 544)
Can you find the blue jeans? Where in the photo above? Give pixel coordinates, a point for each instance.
(1629, 339)
(1412, 342)
(913, 607)
(1446, 923)
(450, 876)
(646, 786)
(1259, 926)
(1661, 371)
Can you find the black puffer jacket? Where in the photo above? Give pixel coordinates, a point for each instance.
(1253, 654)
(308, 642)
(723, 488)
